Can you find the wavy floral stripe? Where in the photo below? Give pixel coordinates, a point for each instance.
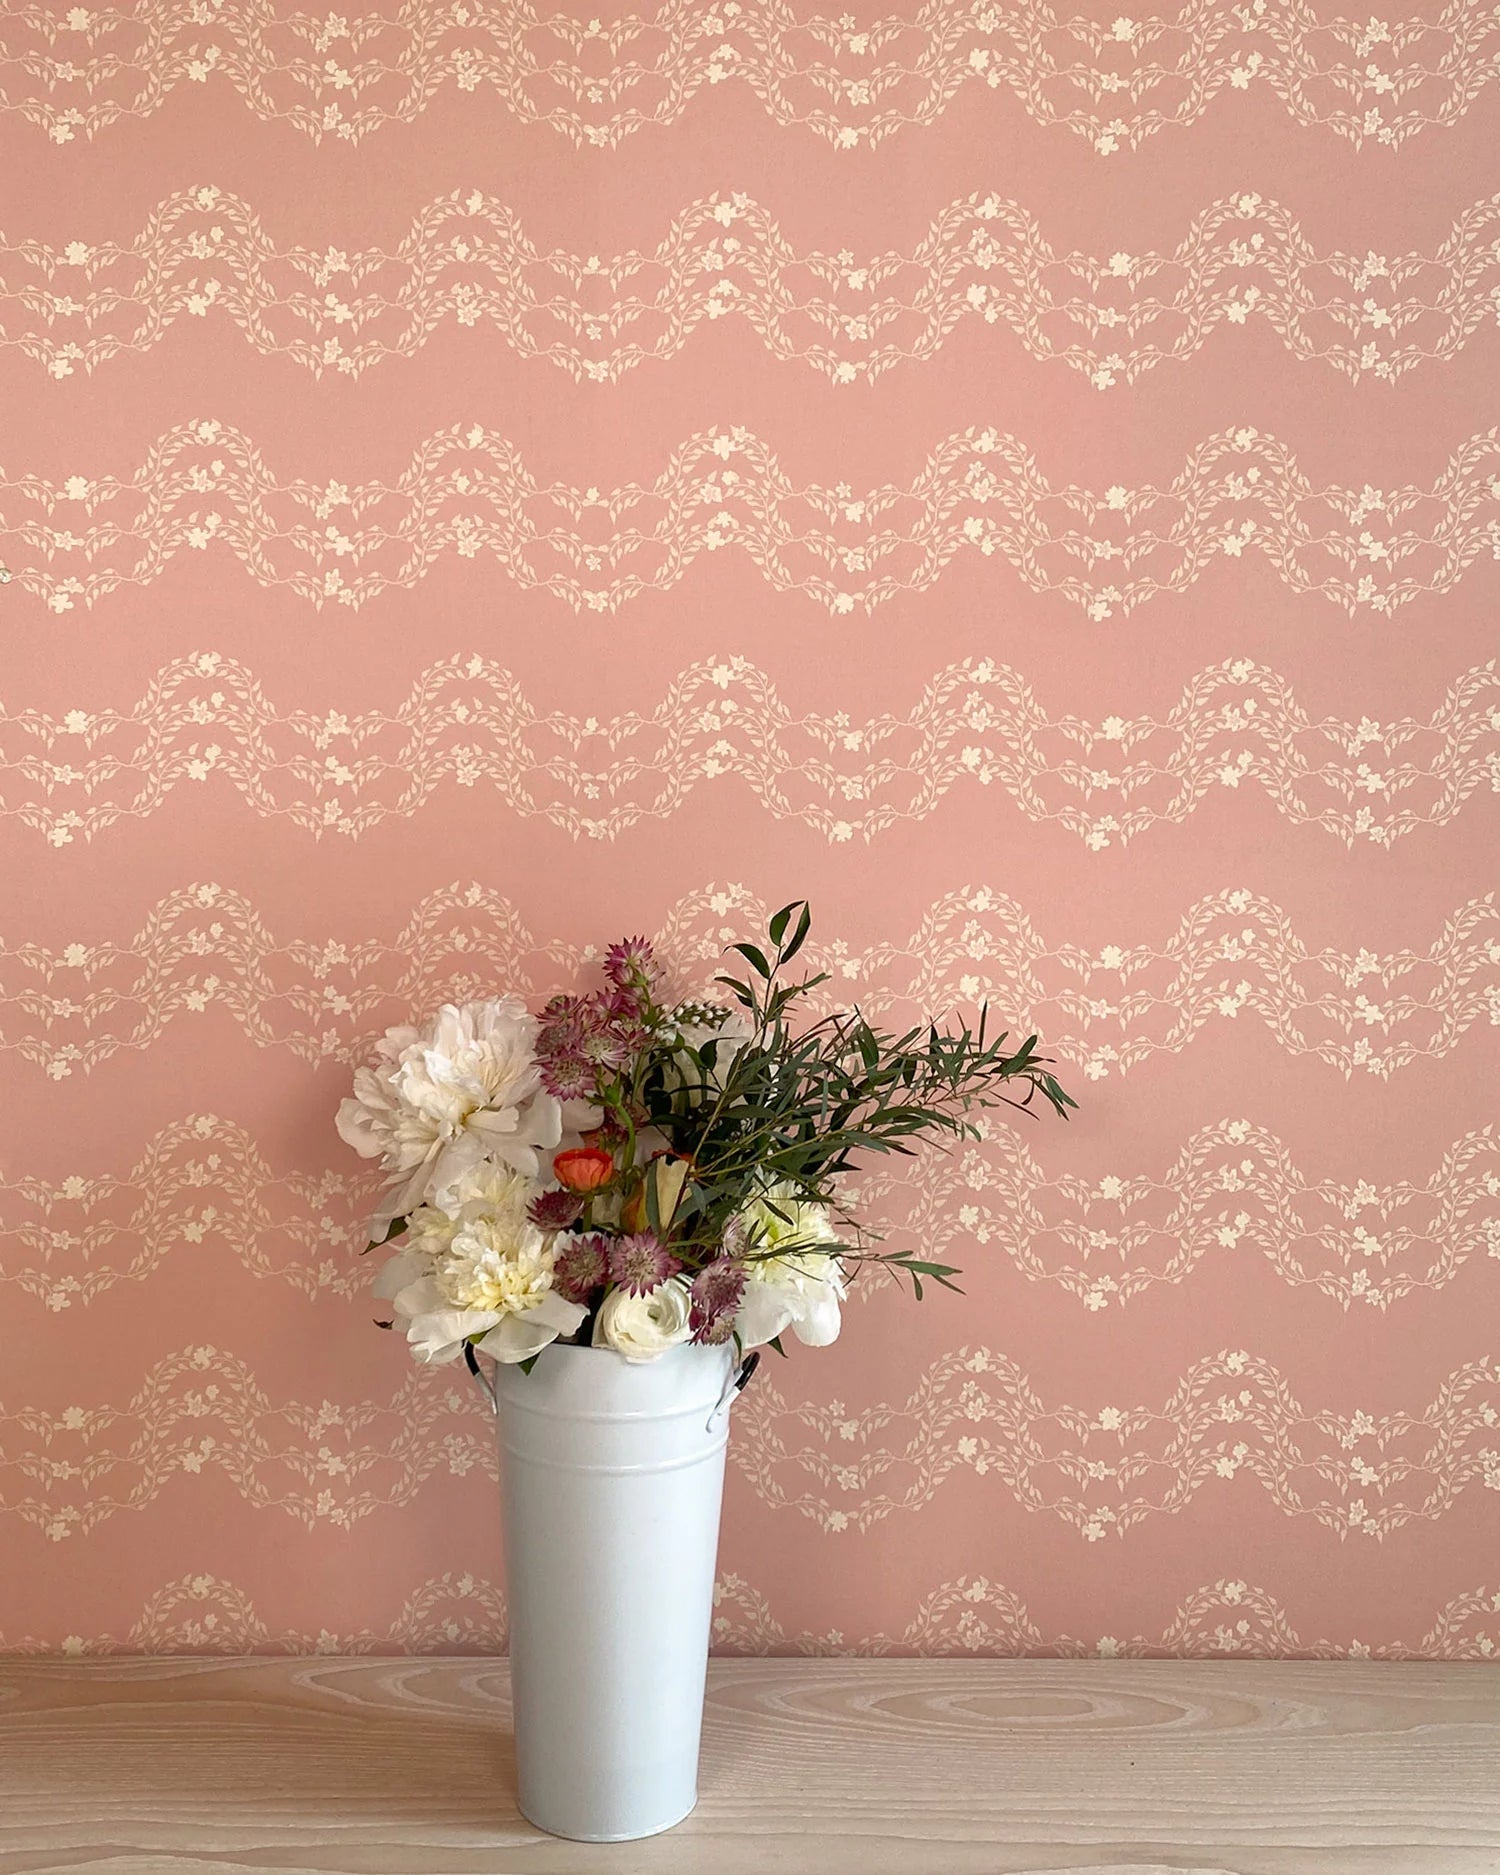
(205, 488)
(203, 1411)
(202, 1180)
(1231, 956)
(453, 1613)
(1234, 1188)
(1237, 728)
(1101, 1469)
(1105, 1469)
(466, 260)
(1228, 1618)
(462, 1613)
(1374, 82)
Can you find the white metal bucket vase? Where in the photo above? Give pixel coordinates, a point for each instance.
(612, 1474)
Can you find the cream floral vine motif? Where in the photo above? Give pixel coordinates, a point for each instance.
(204, 1184)
(466, 260)
(1105, 1469)
(1231, 957)
(1101, 1469)
(1233, 1189)
(1236, 727)
(205, 488)
(204, 1614)
(462, 1613)
(326, 1465)
(1225, 1618)
(851, 81)
(201, 1181)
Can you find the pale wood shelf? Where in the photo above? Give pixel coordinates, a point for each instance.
(836, 1767)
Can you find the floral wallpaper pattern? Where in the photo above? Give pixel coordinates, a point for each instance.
(476, 479)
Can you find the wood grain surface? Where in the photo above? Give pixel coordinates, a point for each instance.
(379, 1767)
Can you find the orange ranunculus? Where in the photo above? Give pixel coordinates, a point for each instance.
(585, 1168)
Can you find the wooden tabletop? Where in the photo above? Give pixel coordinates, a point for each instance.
(379, 1767)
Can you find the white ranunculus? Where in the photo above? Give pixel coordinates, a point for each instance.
(441, 1100)
(791, 1281)
(643, 1327)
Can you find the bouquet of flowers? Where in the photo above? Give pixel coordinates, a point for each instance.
(633, 1172)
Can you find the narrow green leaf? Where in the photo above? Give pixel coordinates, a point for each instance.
(799, 936)
(755, 957)
(653, 1202)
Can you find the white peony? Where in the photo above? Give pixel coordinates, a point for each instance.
(486, 1272)
(441, 1100)
(643, 1327)
(429, 1232)
(791, 1283)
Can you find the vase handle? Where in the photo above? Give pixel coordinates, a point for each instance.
(486, 1387)
(739, 1379)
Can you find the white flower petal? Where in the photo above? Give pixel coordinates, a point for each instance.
(452, 1165)
(355, 1128)
(405, 1268)
(763, 1314)
(419, 1298)
(817, 1323)
(562, 1316)
(517, 1338)
(576, 1117)
(439, 1337)
(410, 1190)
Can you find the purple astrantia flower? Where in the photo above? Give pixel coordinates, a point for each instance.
(603, 1040)
(631, 964)
(584, 1036)
(555, 1210)
(568, 1077)
(566, 1074)
(571, 1047)
(640, 1263)
(559, 1013)
(626, 1020)
(717, 1291)
(581, 1267)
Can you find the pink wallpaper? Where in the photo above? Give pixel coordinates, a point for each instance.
(474, 481)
